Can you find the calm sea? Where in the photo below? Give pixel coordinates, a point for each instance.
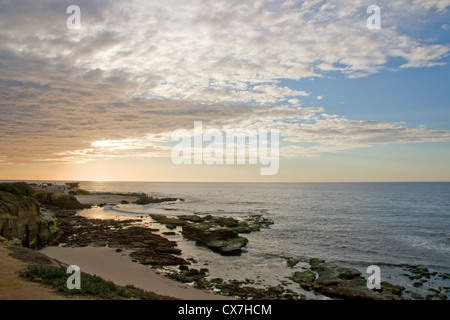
(353, 224)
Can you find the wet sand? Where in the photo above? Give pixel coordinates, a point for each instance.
(118, 268)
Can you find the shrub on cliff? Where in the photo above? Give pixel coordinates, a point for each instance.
(17, 188)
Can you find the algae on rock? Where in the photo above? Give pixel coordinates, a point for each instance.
(20, 216)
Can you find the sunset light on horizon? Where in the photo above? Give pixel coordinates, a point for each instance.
(100, 100)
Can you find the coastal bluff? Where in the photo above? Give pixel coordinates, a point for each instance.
(21, 219)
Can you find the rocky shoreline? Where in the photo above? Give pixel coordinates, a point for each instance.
(222, 235)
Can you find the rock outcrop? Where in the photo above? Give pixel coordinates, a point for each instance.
(59, 199)
(338, 282)
(148, 248)
(221, 234)
(219, 239)
(20, 216)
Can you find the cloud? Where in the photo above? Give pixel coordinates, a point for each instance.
(305, 132)
(137, 70)
(216, 51)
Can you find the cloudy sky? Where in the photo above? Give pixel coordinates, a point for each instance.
(101, 102)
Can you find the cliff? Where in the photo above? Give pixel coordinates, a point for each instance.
(20, 216)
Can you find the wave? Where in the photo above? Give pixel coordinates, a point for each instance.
(418, 242)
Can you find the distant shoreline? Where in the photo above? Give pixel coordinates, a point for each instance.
(216, 182)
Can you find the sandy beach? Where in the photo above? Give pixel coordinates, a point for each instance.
(118, 268)
(12, 287)
(101, 261)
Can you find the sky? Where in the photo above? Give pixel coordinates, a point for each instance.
(103, 101)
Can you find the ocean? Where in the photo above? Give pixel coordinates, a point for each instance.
(352, 224)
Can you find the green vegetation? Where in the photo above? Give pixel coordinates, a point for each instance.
(90, 285)
(419, 273)
(291, 262)
(33, 243)
(334, 281)
(17, 188)
(52, 227)
(234, 288)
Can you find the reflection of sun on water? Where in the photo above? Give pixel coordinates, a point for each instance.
(105, 213)
(97, 213)
(101, 214)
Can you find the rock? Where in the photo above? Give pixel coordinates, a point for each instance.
(58, 199)
(152, 249)
(343, 283)
(416, 296)
(145, 199)
(222, 240)
(253, 223)
(445, 276)
(390, 291)
(170, 223)
(221, 234)
(20, 216)
(239, 289)
(138, 244)
(189, 276)
(276, 289)
(191, 218)
(228, 247)
(348, 273)
(225, 222)
(418, 273)
(305, 279)
(158, 260)
(291, 263)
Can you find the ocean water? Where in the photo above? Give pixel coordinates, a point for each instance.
(352, 224)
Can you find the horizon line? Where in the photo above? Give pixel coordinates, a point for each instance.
(146, 181)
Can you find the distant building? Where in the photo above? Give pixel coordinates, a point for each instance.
(58, 187)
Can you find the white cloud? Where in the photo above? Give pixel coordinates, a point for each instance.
(305, 132)
(219, 51)
(139, 69)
